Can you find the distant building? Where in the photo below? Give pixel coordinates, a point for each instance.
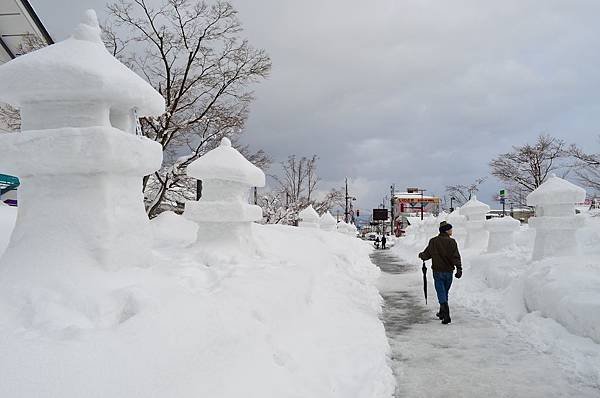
(410, 204)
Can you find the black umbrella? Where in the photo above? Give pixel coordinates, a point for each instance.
(425, 281)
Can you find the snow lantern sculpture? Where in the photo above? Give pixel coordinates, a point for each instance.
(346, 228)
(443, 216)
(458, 222)
(223, 213)
(309, 218)
(475, 212)
(327, 222)
(351, 230)
(78, 158)
(431, 227)
(501, 233)
(555, 222)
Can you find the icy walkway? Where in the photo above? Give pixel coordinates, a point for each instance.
(472, 357)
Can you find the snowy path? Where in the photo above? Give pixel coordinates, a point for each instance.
(472, 357)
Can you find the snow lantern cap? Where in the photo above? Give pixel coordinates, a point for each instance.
(226, 163)
(506, 220)
(328, 219)
(474, 207)
(556, 191)
(309, 214)
(79, 68)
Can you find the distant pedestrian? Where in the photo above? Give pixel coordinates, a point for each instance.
(443, 251)
(377, 242)
(383, 241)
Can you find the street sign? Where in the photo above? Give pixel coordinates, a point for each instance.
(380, 214)
(503, 192)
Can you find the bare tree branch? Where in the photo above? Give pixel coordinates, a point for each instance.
(192, 53)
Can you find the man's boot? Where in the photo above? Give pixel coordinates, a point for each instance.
(445, 314)
(439, 313)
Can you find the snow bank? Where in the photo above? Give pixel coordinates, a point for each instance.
(8, 216)
(299, 319)
(554, 302)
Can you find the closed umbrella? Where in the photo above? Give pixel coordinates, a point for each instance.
(425, 281)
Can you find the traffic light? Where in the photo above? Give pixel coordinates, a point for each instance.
(357, 213)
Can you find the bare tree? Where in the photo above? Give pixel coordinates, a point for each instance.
(528, 166)
(296, 188)
(10, 117)
(462, 193)
(299, 178)
(587, 167)
(192, 53)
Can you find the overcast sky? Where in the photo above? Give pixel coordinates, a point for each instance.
(411, 92)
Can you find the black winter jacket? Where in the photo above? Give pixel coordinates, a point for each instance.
(443, 250)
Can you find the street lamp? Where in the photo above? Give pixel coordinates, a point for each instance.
(422, 206)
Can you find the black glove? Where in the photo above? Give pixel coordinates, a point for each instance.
(458, 273)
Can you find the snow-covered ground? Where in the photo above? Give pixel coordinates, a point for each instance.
(299, 318)
(552, 305)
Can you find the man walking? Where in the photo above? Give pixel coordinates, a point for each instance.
(443, 251)
(383, 241)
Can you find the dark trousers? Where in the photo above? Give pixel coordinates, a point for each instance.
(442, 282)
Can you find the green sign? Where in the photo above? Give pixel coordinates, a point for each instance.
(503, 192)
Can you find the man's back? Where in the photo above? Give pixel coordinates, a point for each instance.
(443, 251)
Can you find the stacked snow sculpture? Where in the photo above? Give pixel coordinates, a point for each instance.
(458, 221)
(431, 227)
(347, 229)
(309, 218)
(327, 222)
(223, 214)
(475, 212)
(80, 165)
(555, 222)
(501, 233)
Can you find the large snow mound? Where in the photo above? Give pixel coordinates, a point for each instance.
(299, 319)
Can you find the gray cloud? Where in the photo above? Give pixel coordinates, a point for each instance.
(413, 92)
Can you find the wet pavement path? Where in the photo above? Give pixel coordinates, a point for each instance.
(472, 357)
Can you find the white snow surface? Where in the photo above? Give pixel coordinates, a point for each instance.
(77, 69)
(309, 214)
(553, 303)
(297, 319)
(327, 222)
(8, 216)
(226, 163)
(556, 190)
(474, 208)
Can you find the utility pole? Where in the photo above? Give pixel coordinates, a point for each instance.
(346, 209)
(392, 203)
(422, 204)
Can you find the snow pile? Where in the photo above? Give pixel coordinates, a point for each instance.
(300, 319)
(170, 229)
(327, 222)
(309, 218)
(554, 302)
(8, 216)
